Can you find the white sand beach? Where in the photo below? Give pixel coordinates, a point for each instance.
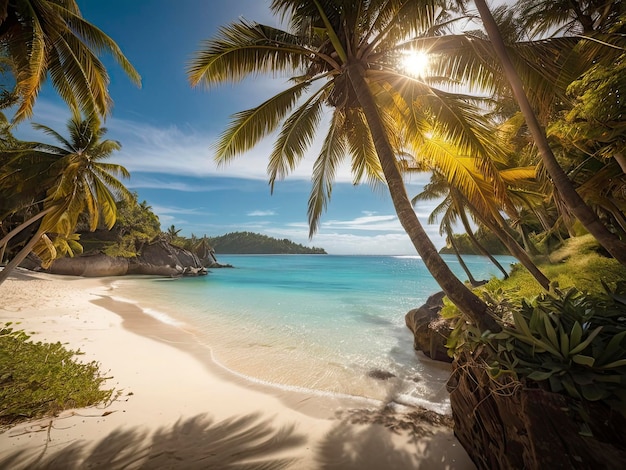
(178, 409)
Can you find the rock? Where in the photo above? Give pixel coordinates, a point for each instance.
(162, 259)
(158, 258)
(379, 374)
(430, 331)
(90, 265)
(505, 424)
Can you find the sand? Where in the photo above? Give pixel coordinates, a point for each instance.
(178, 409)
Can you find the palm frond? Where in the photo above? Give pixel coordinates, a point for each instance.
(244, 48)
(365, 162)
(332, 152)
(249, 127)
(295, 138)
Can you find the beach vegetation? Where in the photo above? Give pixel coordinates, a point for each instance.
(587, 56)
(39, 379)
(571, 340)
(64, 184)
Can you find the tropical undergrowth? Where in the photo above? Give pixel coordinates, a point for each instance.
(42, 379)
(571, 340)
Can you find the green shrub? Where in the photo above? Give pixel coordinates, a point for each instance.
(568, 342)
(42, 379)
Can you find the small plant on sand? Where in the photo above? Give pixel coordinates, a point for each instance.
(42, 379)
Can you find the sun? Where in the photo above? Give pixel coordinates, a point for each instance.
(415, 63)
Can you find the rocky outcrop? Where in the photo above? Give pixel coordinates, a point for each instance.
(90, 265)
(505, 424)
(158, 258)
(430, 331)
(162, 259)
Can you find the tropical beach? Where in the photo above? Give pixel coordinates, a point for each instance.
(312, 234)
(178, 409)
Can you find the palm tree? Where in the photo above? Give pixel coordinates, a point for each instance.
(82, 184)
(569, 16)
(565, 188)
(345, 54)
(42, 38)
(483, 208)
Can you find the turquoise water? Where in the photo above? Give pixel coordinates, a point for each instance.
(316, 323)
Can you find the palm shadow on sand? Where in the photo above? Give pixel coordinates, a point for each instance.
(243, 443)
(248, 443)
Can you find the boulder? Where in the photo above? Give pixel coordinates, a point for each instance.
(506, 424)
(158, 258)
(430, 331)
(90, 265)
(162, 259)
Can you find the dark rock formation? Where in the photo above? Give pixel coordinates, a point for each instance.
(430, 331)
(158, 258)
(507, 425)
(162, 259)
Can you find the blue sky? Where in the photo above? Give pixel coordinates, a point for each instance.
(166, 129)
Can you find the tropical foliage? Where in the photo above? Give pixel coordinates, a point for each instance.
(50, 38)
(51, 187)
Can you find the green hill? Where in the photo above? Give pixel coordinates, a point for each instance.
(255, 243)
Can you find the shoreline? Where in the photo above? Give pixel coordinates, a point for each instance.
(171, 386)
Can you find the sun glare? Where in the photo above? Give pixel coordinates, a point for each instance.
(415, 63)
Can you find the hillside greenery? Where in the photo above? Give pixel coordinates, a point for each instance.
(255, 243)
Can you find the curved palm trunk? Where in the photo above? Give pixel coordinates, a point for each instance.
(5, 241)
(470, 276)
(517, 251)
(468, 303)
(21, 256)
(479, 246)
(586, 216)
(511, 244)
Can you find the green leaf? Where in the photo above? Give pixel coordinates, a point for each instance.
(583, 360)
(615, 364)
(594, 392)
(582, 346)
(575, 335)
(539, 376)
(520, 323)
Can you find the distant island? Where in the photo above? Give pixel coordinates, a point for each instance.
(250, 243)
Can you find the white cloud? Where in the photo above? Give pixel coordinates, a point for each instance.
(184, 150)
(261, 213)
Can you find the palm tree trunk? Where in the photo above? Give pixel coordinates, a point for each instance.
(466, 301)
(25, 224)
(470, 276)
(21, 256)
(586, 216)
(5, 240)
(517, 251)
(479, 246)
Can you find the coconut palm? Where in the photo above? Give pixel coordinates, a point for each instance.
(83, 184)
(344, 56)
(483, 208)
(569, 16)
(42, 38)
(565, 188)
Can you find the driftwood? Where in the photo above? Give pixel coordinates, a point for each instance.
(506, 425)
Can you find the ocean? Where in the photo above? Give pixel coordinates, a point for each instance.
(312, 323)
